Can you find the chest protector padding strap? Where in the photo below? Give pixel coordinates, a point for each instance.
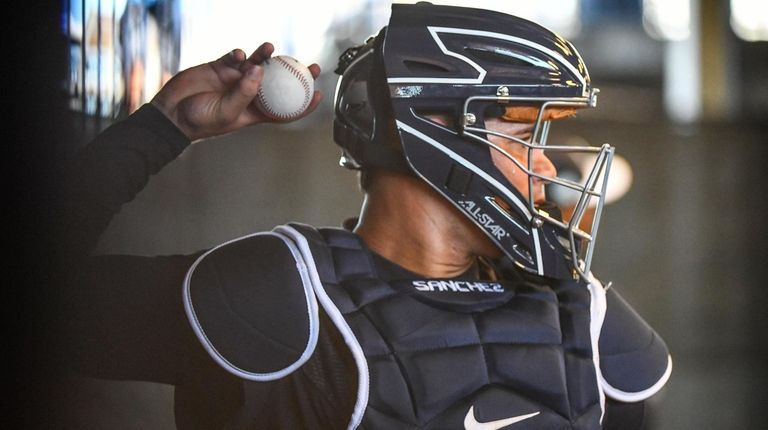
(531, 358)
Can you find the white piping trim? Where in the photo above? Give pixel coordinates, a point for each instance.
(625, 396)
(539, 259)
(338, 319)
(218, 357)
(435, 30)
(491, 201)
(456, 157)
(504, 190)
(597, 309)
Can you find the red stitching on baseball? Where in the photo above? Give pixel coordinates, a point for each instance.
(307, 96)
(304, 83)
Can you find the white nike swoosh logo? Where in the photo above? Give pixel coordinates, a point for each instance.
(471, 423)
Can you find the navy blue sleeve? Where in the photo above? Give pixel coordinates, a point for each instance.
(624, 416)
(109, 172)
(119, 317)
(124, 319)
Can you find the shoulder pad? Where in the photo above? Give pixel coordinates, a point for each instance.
(634, 360)
(251, 305)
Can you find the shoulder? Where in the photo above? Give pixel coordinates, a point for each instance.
(251, 305)
(634, 360)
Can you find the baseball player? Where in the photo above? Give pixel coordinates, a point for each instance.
(458, 299)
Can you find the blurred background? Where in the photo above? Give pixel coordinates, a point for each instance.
(684, 100)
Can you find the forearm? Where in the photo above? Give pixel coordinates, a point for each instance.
(110, 171)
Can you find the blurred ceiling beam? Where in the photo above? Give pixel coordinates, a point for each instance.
(699, 83)
(682, 73)
(720, 89)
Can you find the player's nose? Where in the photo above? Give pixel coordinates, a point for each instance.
(542, 165)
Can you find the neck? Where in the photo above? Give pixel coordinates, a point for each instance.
(408, 223)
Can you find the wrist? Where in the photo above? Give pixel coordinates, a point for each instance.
(170, 113)
(153, 119)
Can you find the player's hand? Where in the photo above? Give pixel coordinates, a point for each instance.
(217, 97)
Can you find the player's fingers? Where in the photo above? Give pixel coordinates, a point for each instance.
(240, 96)
(232, 59)
(262, 53)
(228, 69)
(315, 70)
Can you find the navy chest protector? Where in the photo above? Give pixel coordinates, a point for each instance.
(431, 354)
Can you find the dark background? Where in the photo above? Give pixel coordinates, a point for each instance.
(686, 245)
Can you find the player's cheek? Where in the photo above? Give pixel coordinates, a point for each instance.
(506, 166)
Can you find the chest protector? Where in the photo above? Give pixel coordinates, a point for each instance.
(430, 354)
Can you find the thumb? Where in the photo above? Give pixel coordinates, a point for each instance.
(241, 95)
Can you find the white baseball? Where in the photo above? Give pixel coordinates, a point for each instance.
(286, 89)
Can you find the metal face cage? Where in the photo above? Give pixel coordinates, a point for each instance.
(591, 191)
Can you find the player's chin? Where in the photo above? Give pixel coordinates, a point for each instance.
(540, 198)
(539, 195)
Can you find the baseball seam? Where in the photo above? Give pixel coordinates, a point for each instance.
(304, 83)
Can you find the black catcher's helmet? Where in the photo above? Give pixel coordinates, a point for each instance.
(468, 65)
